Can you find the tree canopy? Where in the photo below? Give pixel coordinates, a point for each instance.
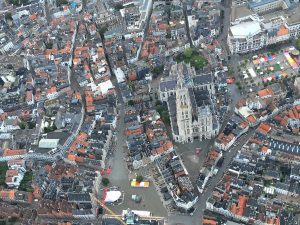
(139, 178)
(193, 57)
(105, 181)
(188, 52)
(298, 44)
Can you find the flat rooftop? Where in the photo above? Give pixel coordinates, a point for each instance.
(245, 29)
(239, 11)
(291, 15)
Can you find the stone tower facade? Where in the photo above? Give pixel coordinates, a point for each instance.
(190, 103)
(184, 111)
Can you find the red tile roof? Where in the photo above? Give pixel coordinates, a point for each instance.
(11, 152)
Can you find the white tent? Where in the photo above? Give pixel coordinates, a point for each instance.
(112, 196)
(251, 72)
(48, 143)
(105, 86)
(120, 75)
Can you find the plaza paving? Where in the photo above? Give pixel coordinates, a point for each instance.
(192, 162)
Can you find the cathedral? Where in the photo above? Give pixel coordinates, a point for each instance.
(190, 100)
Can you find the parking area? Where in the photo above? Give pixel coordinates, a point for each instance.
(262, 69)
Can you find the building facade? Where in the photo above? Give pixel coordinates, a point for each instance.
(262, 6)
(253, 32)
(191, 107)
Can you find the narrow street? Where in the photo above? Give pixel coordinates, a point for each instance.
(146, 27)
(47, 12)
(226, 7)
(187, 28)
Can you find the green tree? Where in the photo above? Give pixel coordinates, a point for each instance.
(198, 62)
(13, 220)
(31, 125)
(23, 125)
(3, 169)
(298, 44)
(50, 129)
(8, 16)
(131, 103)
(158, 70)
(139, 178)
(157, 103)
(188, 52)
(119, 6)
(131, 85)
(25, 184)
(49, 45)
(102, 31)
(165, 117)
(105, 181)
(61, 2)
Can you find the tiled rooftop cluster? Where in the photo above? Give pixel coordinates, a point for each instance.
(257, 107)
(146, 136)
(167, 32)
(234, 128)
(61, 191)
(157, 135)
(176, 178)
(29, 21)
(259, 185)
(64, 192)
(289, 119)
(209, 168)
(28, 215)
(91, 147)
(123, 42)
(204, 21)
(58, 103)
(262, 182)
(91, 68)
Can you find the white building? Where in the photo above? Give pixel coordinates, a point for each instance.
(250, 32)
(15, 173)
(248, 35)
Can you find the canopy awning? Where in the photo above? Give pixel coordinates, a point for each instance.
(112, 196)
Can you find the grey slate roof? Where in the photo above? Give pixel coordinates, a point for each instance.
(284, 146)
